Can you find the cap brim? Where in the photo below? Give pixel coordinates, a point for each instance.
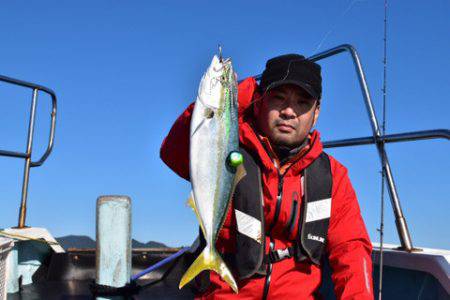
(300, 84)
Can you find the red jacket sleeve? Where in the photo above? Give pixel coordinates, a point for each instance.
(349, 246)
(175, 147)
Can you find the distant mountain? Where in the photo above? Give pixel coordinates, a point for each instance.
(150, 244)
(76, 241)
(82, 241)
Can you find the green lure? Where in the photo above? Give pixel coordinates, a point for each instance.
(235, 159)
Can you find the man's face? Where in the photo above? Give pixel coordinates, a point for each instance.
(286, 114)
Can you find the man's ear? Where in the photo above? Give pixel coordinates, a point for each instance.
(257, 102)
(316, 114)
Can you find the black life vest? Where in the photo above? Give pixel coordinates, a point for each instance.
(248, 205)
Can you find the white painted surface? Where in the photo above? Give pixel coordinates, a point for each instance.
(113, 261)
(30, 233)
(433, 261)
(5, 249)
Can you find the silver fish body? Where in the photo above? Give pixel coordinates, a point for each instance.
(213, 136)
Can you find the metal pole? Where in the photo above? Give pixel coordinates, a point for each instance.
(391, 138)
(402, 228)
(400, 221)
(26, 174)
(53, 119)
(52, 134)
(12, 154)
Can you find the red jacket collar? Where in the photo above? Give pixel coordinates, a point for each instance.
(247, 91)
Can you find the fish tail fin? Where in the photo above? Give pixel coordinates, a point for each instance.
(209, 259)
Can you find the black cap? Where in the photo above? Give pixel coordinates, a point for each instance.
(292, 69)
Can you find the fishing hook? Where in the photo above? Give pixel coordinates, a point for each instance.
(220, 53)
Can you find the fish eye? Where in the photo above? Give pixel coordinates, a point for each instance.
(209, 113)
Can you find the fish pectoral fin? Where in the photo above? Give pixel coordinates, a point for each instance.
(197, 127)
(209, 259)
(240, 173)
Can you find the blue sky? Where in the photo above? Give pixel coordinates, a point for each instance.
(123, 71)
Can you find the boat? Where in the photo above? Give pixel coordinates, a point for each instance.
(33, 264)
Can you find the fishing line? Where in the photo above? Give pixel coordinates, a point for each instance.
(346, 11)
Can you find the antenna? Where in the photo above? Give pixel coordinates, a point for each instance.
(383, 132)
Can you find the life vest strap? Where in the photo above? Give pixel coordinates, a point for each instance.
(275, 256)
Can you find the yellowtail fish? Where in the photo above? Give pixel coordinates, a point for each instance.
(215, 163)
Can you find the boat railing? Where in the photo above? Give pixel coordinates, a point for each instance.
(378, 139)
(391, 138)
(29, 148)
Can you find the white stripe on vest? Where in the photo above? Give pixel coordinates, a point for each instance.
(318, 210)
(248, 225)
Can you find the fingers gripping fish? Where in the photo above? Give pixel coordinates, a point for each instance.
(215, 163)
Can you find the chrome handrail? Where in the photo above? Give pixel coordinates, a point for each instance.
(391, 138)
(378, 139)
(402, 227)
(27, 155)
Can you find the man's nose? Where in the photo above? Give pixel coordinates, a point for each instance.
(288, 112)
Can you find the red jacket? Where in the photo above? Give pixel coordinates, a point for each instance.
(349, 248)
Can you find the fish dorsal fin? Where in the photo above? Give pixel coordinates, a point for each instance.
(190, 201)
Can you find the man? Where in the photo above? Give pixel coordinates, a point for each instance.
(309, 212)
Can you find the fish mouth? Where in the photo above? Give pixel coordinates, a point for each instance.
(223, 65)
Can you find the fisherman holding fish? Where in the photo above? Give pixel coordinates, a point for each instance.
(272, 206)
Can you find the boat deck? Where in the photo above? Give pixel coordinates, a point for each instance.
(419, 275)
(70, 275)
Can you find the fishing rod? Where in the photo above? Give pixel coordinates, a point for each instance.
(383, 174)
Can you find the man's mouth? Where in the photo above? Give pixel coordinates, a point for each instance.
(284, 127)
